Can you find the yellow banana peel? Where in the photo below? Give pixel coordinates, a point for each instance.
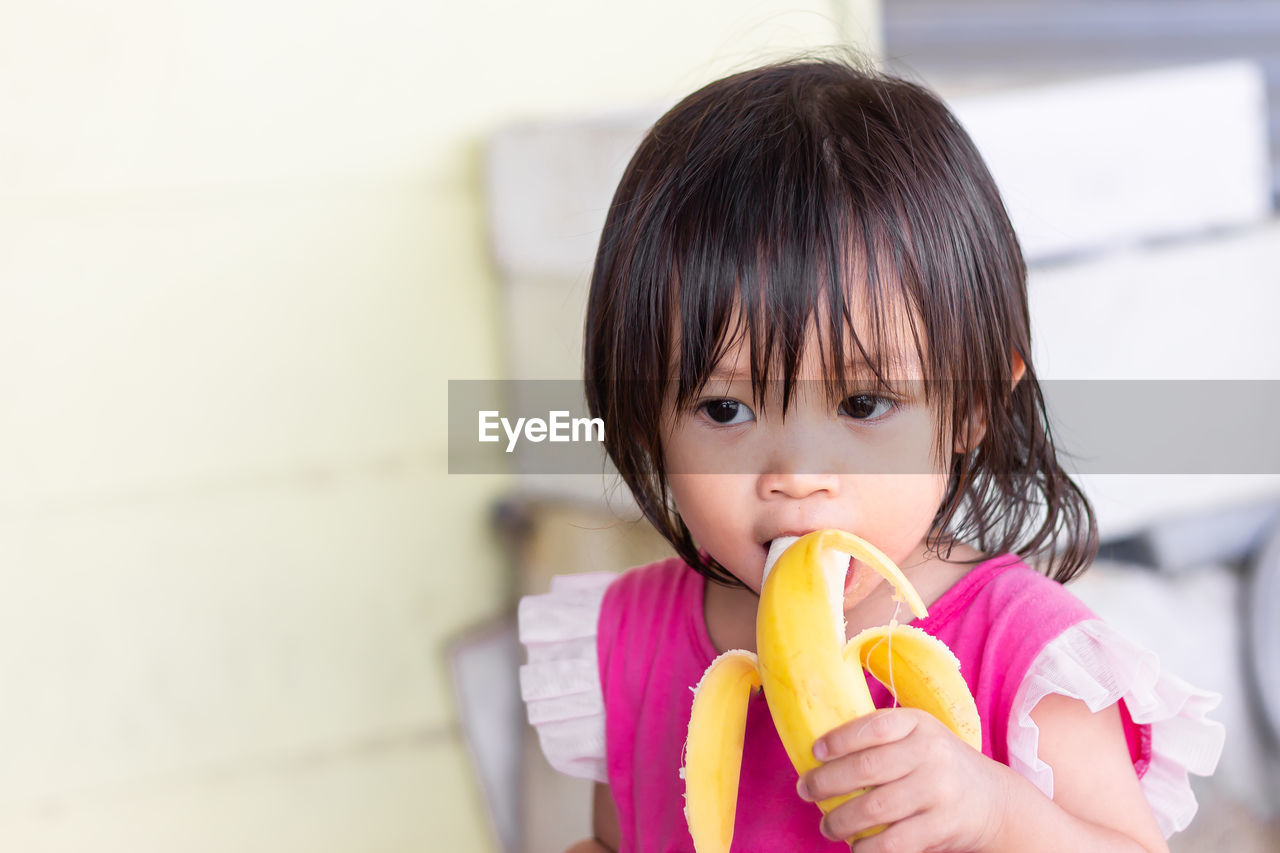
(813, 681)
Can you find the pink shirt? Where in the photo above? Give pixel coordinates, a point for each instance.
(653, 646)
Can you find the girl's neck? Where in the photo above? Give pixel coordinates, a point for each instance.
(730, 613)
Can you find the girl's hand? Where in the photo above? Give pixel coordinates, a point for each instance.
(933, 791)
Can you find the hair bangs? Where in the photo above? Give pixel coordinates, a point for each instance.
(779, 242)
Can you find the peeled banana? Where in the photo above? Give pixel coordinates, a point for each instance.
(813, 681)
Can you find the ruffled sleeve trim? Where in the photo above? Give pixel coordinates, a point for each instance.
(1093, 663)
(561, 682)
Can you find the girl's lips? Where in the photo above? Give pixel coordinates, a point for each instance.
(773, 549)
(791, 534)
(859, 582)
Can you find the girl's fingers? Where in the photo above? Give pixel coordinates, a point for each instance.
(874, 729)
(920, 832)
(891, 804)
(877, 765)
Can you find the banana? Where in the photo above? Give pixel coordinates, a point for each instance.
(713, 751)
(813, 681)
(921, 672)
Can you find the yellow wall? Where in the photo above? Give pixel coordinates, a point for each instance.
(243, 251)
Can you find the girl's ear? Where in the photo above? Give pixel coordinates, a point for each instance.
(1019, 368)
(970, 438)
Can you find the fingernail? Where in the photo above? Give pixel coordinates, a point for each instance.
(802, 789)
(820, 750)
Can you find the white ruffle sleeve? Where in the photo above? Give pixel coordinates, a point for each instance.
(561, 682)
(1092, 662)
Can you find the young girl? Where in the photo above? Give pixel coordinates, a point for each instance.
(809, 310)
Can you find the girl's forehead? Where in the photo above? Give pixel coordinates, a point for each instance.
(891, 359)
(887, 342)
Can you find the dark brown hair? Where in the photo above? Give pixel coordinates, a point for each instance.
(789, 174)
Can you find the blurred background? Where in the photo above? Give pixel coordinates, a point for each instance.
(245, 247)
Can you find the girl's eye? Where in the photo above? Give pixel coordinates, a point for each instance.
(866, 407)
(727, 412)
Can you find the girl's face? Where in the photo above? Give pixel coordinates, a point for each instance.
(741, 478)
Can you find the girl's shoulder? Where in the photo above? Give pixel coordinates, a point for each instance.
(574, 605)
(652, 611)
(560, 683)
(1022, 636)
(592, 640)
(585, 620)
(1006, 590)
(653, 585)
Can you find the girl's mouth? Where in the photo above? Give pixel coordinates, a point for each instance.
(773, 549)
(859, 578)
(850, 575)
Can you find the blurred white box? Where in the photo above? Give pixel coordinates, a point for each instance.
(1117, 161)
(1084, 165)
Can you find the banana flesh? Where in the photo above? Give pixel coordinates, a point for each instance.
(713, 751)
(912, 664)
(813, 681)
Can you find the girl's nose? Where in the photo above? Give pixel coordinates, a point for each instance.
(797, 485)
(802, 460)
